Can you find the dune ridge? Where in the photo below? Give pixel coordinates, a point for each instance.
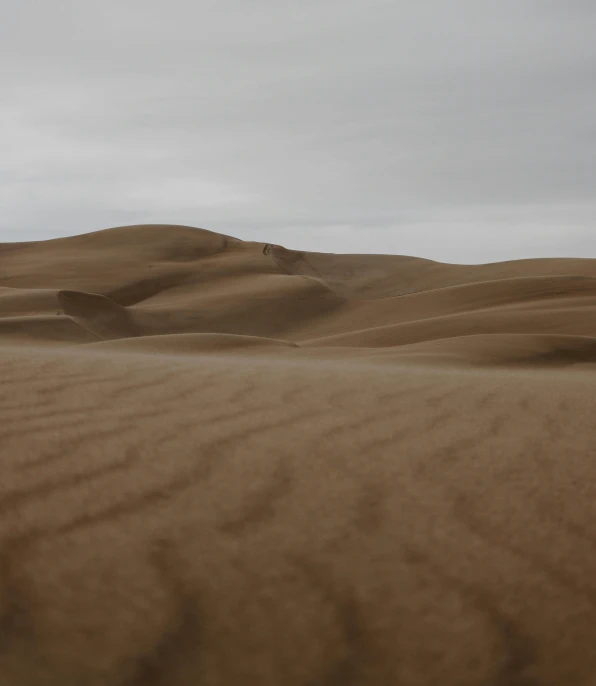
(226, 462)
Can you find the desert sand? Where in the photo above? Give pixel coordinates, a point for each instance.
(226, 463)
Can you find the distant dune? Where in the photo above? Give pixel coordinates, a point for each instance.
(227, 463)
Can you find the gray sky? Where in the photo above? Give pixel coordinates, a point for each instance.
(460, 130)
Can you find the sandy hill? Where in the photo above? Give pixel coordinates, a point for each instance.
(226, 462)
(141, 281)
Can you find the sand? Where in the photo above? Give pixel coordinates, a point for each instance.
(225, 463)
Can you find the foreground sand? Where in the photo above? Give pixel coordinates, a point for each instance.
(226, 463)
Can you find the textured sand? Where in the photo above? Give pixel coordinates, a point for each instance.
(226, 463)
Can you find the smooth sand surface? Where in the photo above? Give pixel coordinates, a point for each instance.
(225, 463)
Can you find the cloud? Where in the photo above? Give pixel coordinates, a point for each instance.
(460, 131)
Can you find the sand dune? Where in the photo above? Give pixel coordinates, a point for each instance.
(500, 350)
(228, 463)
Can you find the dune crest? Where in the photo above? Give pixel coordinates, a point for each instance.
(192, 343)
(230, 463)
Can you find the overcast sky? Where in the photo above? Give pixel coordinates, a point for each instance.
(460, 130)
